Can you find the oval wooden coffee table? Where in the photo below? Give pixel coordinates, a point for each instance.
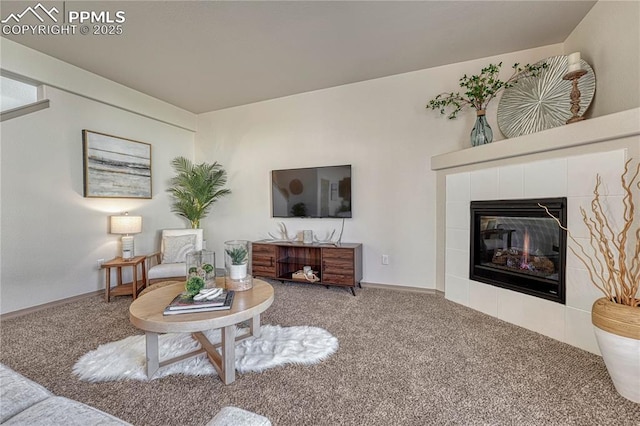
(146, 314)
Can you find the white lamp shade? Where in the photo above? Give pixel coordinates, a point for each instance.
(126, 224)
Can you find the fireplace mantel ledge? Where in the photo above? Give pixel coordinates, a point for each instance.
(599, 129)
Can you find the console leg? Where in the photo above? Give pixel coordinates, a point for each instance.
(353, 291)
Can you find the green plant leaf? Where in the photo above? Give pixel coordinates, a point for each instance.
(195, 188)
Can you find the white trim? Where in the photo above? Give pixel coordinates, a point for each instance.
(35, 66)
(32, 309)
(24, 110)
(600, 129)
(400, 288)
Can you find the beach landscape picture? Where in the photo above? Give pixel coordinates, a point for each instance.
(116, 167)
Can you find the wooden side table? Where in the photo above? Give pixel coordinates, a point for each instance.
(131, 288)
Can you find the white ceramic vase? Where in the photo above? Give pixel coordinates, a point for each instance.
(621, 355)
(617, 330)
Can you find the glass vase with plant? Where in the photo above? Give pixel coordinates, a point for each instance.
(237, 264)
(479, 91)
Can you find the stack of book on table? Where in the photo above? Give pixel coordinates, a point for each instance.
(184, 304)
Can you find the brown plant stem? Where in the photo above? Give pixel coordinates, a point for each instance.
(610, 269)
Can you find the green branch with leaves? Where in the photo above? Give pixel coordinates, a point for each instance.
(480, 89)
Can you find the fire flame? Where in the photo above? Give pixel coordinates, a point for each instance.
(524, 261)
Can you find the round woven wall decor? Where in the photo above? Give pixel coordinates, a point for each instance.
(296, 187)
(542, 102)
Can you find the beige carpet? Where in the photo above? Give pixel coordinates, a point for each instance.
(404, 359)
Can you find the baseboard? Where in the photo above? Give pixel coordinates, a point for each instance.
(399, 288)
(32, 309)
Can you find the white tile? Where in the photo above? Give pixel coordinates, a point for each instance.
(581, 292)
(545, 317)
(535, 314)
(511, 306)
(457, 239)
(458, 215)
(575, 223)
(511, 182)
(456, 289)
(612, 206)
(483, 298)
(572, 259)
(582, 171)
(545, 178)
(579, 330)
(484, 184)
(457, 263)
(457, 187)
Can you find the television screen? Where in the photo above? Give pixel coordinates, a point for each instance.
(311, 192)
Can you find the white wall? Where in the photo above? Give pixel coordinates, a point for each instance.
(51, 236)
(25, 63)
(382, 128)
(609, 40)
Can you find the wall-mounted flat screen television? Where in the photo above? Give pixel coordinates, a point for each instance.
(311, 192)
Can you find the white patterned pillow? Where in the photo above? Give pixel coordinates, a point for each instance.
(176, 248)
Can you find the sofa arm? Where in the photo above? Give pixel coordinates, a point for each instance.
(17, 393)
(234, 416)
(156, 257)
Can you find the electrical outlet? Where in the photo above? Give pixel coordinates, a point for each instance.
(385, 259)
(100, 262)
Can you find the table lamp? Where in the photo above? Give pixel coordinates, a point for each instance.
(125, 225)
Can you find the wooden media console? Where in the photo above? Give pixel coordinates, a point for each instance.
(336, 265)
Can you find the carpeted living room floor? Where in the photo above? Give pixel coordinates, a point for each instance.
(404, 359)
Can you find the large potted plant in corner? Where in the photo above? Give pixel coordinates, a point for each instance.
(195, 188)
(613, 263)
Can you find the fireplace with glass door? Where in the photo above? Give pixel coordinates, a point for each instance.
(517, 246)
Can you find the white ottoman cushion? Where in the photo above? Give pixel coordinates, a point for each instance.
(234, 416)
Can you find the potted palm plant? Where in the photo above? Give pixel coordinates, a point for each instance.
(195, 188)
(612, 260)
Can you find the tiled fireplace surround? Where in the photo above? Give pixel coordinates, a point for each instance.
(570, 173)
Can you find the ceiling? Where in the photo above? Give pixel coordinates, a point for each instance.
(209, 55)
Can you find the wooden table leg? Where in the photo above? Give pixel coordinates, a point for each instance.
(144, 274)
(254, 326)
(229, 354)
(134, 284)
(153, 358)
(107, 289)
(225, 363)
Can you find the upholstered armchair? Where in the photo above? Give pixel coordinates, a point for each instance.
(170, 262)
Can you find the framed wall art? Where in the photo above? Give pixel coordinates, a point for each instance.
(115, 167)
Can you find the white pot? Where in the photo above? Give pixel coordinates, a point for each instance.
(617, 330)
(238, 272)
(621, 355)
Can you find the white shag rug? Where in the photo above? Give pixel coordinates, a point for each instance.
(125, 359)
